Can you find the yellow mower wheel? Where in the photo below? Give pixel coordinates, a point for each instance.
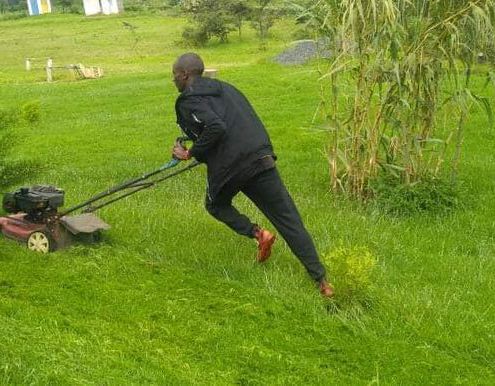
(39, 242)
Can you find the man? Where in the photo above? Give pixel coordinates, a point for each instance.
(229, 137)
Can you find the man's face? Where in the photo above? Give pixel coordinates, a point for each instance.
(180, 78)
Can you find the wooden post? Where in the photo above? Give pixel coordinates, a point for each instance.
(210, 72)
(49, 70)
(28, 64)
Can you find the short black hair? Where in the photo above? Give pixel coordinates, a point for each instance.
(191, 63)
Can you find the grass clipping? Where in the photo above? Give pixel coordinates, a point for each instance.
(351, 272)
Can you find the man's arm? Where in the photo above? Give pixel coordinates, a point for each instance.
(214, 128)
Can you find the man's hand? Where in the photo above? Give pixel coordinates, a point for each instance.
(180, 152)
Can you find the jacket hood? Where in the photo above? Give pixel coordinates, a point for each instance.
(203, 87)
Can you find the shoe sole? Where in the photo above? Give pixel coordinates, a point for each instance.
(265, 252)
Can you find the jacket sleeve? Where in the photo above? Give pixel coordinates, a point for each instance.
(214, 128)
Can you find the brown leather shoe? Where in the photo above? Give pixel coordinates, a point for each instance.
(265, 241)
(326, 290)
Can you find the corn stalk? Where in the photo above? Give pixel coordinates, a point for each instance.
(395, 60)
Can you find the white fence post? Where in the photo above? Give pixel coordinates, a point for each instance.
(28, 64)
(49, 70)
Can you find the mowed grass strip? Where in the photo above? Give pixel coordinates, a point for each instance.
(170, 296)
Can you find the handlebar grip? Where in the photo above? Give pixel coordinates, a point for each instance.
(170, 164)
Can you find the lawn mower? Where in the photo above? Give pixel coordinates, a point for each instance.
(35, 220)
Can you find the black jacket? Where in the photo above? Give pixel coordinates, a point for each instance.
(226, 131)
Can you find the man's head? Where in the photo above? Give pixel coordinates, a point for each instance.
(186, 68)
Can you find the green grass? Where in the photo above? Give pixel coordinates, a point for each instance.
(173, 297)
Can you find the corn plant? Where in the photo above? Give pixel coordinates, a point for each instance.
(396, 97)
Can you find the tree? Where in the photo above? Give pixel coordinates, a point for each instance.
(65, 4)
(12, 6)
(383, 93)
(210, 18)
(240, 11)
(263, 15)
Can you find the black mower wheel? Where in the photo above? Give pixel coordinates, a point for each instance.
(40, 242)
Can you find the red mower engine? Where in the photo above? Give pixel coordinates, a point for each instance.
(34, 220)
(39, 202)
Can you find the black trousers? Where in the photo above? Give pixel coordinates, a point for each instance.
(267, 191)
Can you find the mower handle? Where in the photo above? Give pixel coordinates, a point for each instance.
(135, 184)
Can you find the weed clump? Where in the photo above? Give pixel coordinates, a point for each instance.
(31, 112)
(429, 195)
(28, 113)
(351, 272)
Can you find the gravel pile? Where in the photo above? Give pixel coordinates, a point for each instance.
(301, 51)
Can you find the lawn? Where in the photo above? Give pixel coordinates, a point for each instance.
(170, 296)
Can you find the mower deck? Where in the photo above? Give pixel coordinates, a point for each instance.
(56, 234)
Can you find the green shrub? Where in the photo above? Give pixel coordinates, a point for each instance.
(68, 6)
(195, 36)
(13, 8)
(429, 195)
(31, 112)
(13, 15)
(76, 9)
(210, 18)
(351, 273)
